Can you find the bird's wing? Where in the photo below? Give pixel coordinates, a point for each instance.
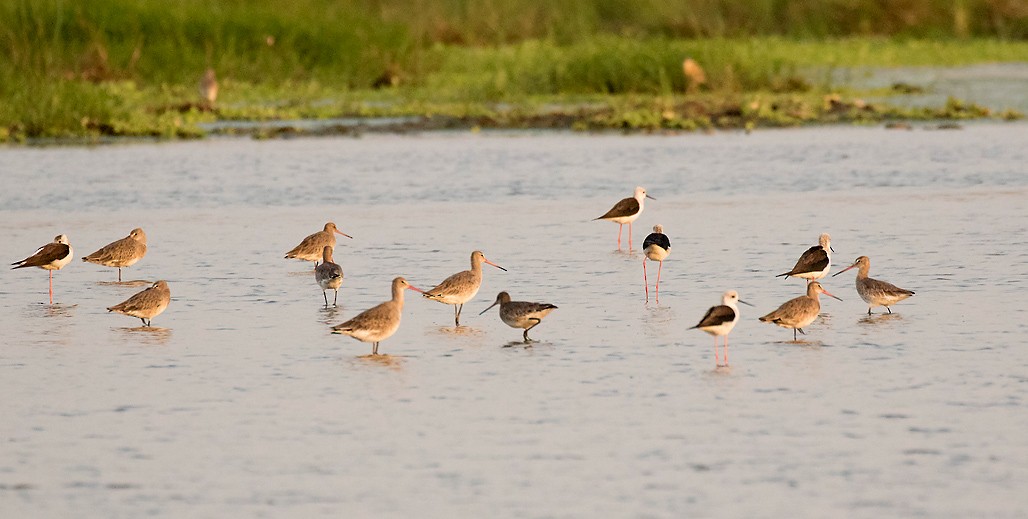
(658, 239)
(717, 315)
(815, 259)
(626, 207)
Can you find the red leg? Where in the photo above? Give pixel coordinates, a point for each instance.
(620, 227)
(629, 235)
(726, 350)
(717, 361)
(51, 287)
(646, 282)
(658, 279)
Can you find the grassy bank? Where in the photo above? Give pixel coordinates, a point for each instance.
(73, 69)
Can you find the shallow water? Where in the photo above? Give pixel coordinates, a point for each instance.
(240, 401)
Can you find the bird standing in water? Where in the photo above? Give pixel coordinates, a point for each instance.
(799, 312)
(875, 292)
(815, 262)
(379, 322)
(656, 247)
(720, 319)
(462, 286)
(146, 304)
(50, 257)
(328, 275)
(520, 314)
(627, 211)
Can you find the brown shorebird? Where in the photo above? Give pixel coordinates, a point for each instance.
(313, 246)
(694, 75)
(328, 275)
(520, 314)
(815, 262)
(799, 312)
(656, 247)
(875, 292)
(380, 322)
(122, 253)
(146, 304)
(627, 211)
(462, 286)
(209, 87)
(720, 320)
(52, 256)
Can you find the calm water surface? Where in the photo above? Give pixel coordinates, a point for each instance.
(241, 403)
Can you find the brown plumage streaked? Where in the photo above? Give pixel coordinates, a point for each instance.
(799, 312)
(875, 292)
(146, 304)
(328, 275)
(50, 257)
(122, 253)
(520, 314)
(313, 246)
(462, 286)
(379, 322)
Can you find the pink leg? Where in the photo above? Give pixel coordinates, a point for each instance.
(629, 236)
(51, 287)
(726, 350)
(646, 282)
(717, 361)
(620, 227)
(658, 279)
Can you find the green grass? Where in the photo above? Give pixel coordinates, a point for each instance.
(107, 67)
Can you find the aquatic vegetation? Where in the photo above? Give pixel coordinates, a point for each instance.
(107, 68)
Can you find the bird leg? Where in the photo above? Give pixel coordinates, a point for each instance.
(620, 227)
(629, 237)
(51, 287)
(717, 360)
(374, 349)
(456, 314)
(325, 293)
(869, 310)
(536, 323)
(646, 282)
(119, 274)
(334, 298)
(726, 350)
(889, 309)
(658, 279)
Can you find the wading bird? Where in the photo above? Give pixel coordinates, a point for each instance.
(379, 322)
(520, 314)
(328, 275)
(815, 262)
(122, 253)
(50, 257)
(627, 211)
(462, 286)
(656, 247)
(146, 304)
(313, 246)
(799, 312)
(872, 291)
(720, 320)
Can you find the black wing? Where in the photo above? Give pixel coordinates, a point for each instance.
(626, 207)
(717, 315)
(815, 259)
(44, 256)
(658, 239)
